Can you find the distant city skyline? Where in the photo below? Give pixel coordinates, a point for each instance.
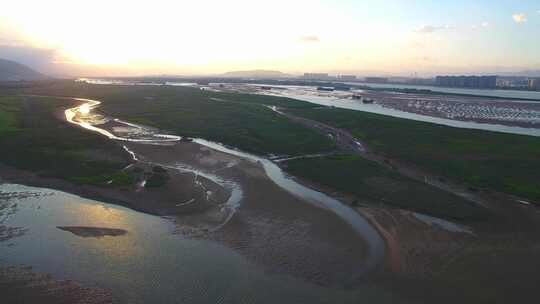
(388, 37)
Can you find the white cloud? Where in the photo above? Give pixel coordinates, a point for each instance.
(519, 18)
(310, 38)
(482, 25)
(428, 29)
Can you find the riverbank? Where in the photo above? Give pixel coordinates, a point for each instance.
(278, 223)
(382, 180)
(466, 156)
(270, 226)
(505, 115)
(162, 201)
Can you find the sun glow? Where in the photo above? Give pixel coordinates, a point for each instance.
(137, 37)
(124, 32)
(169, 36)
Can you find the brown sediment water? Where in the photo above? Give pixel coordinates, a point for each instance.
(150, 264)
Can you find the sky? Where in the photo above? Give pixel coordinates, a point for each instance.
(204, 37)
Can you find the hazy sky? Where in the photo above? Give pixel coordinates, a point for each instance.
(339, 36)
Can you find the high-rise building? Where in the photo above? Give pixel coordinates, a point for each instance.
(474, 82)
(376, 79)
(316, 76)
(517, 82)
(534, 83)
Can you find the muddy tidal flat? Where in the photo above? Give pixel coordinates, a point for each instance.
(93, 231)
(184, 219)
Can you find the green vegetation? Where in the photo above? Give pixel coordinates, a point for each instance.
(238, 120)
(9, 115)
(157, 178)
(364, 178)
(115, 179)
(505, 162)
(32, 138)
(195, 113)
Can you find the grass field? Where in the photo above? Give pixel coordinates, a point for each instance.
(244, 125)
(504, 162)
(9, 115)
(238, 120)
(32, 138)
(364, 178)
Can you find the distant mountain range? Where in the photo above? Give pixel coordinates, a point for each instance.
(13, 71)
(255, 74)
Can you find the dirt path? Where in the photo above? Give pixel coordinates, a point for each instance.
(344, 140)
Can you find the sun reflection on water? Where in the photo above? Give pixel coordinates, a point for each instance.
(84, 108)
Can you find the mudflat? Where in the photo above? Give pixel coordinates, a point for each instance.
(271, 226)
(93, 231)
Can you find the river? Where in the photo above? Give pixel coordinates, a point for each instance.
(274, 172)
(311, 96)
(150, 264)
(534, 95)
